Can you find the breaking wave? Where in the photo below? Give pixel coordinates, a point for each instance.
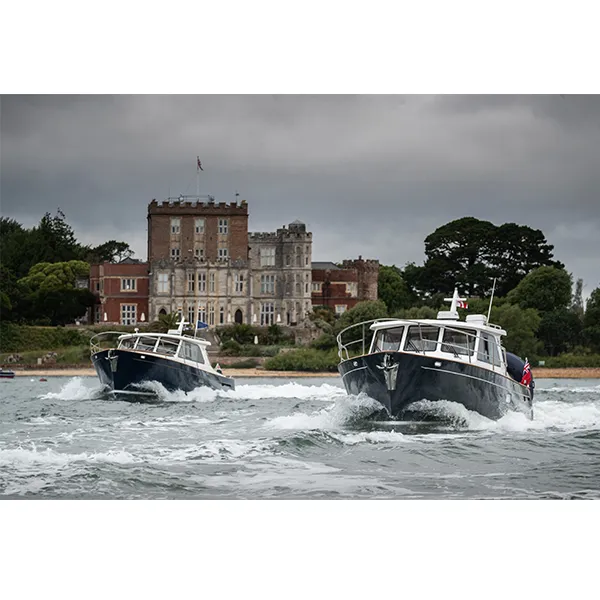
(346, 411)
(292, 391)
(548, 414)
(75, 389)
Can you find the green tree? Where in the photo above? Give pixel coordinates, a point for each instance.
(546, 289)
(591, 321)
(559, 331)
(49, 292)
(521, 326)
(363, 311)
(469, 253)
(392, 289)
(111, 251)
(55, 276)
(416, 312)
(515, 251)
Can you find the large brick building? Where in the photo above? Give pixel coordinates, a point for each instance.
(341, 288)
(122, 292)
(202, 258)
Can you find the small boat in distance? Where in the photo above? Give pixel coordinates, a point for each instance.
(400, 362)
(175, 360)
(6, 374)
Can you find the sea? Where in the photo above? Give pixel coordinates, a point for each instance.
(276, 438)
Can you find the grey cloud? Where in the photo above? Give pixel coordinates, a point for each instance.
(370, 175)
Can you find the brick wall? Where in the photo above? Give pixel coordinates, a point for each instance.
(106, 282)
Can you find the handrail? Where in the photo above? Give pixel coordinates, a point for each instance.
(96, 339)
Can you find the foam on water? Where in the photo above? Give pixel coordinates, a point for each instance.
(344, 411)
(292, 391)
(75, 389)
(548, 414)
(33, 456)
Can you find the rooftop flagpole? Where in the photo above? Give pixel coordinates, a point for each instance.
(198, 169)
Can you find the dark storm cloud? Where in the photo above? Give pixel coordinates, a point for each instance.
(370, 175)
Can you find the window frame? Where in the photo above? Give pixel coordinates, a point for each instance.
(133, 288)
(128, 320)
(163, 281)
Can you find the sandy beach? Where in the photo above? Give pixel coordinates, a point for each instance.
(539, 373)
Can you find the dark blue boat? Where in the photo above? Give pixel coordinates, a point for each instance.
(399, 362)
(175, 360)
(6, 374)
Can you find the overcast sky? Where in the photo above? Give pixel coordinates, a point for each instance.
(369, 175)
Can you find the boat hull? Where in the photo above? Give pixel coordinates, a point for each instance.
(123, 371)
(398, 379)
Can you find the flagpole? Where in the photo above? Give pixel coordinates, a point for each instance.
(491, 300)
(198, 176)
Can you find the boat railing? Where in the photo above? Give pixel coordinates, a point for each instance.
(347, 350)
(104, 340)
(362, 340)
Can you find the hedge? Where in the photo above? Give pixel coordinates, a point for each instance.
(20, 338)
(568, 360)
(304, 359)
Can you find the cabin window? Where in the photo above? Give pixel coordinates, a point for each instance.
(488, 350)
(146, 344)
(459, 343)
(127, 343)
(388, 340)
(191, 352)
(422, 338)
(167, 347)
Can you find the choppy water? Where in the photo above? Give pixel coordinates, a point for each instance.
(273, 438)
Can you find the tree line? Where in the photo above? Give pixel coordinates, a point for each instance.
(40, 267)
(535, 299)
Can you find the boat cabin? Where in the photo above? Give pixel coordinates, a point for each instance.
(473, 340)
(181, 348)
(467, 341)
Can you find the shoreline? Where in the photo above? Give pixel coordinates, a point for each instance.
(539, 373)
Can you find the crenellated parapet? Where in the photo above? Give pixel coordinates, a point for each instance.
(197, 205)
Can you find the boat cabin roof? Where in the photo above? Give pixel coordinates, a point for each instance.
(479, 324)
(176, 338)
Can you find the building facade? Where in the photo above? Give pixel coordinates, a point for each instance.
(203, 262)
(281, 275)
(341, 288)
(122, 292)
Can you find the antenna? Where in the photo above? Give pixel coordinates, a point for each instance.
(491, 300)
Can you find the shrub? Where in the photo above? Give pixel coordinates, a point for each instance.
(327, 341)
(304, 359)
(231, 348)
(18, 338)
(570, 360)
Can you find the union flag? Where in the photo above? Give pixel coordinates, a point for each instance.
(527, 377)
